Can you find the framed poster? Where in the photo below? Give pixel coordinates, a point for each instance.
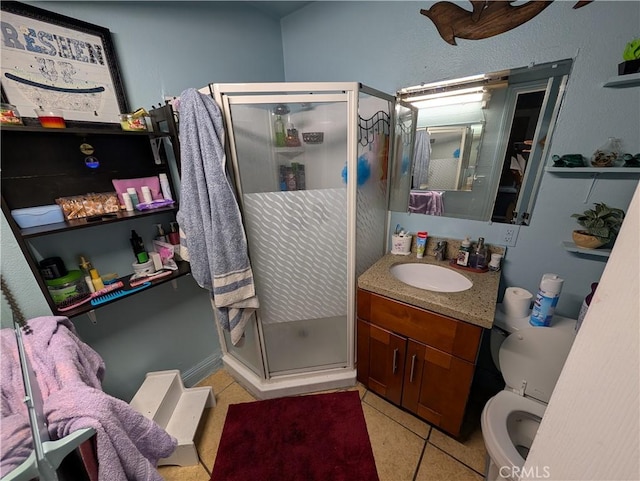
(51, 61)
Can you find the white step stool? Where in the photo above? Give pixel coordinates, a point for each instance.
(163, 398)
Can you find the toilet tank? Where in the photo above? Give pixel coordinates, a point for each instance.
(504, 325)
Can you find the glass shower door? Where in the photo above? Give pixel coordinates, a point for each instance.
(290, 158)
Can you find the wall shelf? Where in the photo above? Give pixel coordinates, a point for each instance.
(40, 165)
(594, 170)
(289, 151)
(83, 223)
(571, 247)
(184, 268)
(623, 81)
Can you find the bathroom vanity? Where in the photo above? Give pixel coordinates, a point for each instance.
(418, 348)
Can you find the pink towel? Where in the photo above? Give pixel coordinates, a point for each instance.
(69, 376)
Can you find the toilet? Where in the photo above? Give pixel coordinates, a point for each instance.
(530, 360)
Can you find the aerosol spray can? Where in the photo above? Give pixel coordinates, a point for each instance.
(546, 300)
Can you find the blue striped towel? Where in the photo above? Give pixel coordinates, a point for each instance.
(210, 217)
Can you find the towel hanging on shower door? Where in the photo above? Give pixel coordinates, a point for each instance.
(210, 217)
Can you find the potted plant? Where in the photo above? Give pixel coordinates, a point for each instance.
(601, 226)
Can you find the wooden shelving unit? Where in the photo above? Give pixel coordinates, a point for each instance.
(40, 165)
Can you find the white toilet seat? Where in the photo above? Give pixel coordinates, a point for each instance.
(494, 418)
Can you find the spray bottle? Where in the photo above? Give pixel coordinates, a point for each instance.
(546, 300)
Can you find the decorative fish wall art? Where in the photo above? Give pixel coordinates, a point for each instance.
(487, 19)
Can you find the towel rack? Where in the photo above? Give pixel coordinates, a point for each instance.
(368, 128)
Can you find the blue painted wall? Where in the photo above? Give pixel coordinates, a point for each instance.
(162, 48)
(390, 45)
(165, 47)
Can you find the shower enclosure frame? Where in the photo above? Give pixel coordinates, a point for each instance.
(261, 384)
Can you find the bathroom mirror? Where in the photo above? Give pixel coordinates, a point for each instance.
(482, 141)
(452, 160)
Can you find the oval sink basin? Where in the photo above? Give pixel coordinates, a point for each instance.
(430, 277)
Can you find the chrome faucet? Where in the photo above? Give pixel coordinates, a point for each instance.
(441, 251)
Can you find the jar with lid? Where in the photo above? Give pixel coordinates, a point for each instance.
(9, 114)
(607, 153)
(68, 286)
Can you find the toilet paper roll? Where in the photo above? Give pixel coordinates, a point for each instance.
(516, 302)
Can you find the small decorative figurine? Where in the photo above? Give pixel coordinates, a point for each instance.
(568, 160)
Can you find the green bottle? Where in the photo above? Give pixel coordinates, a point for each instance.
(278, 127)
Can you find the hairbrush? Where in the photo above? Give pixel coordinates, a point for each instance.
(73, 302)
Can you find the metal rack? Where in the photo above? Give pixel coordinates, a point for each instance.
(378, 123)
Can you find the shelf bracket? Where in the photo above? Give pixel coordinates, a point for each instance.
(92, 316)
(155, 147)
(594, 177)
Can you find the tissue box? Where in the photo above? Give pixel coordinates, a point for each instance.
(35, 216)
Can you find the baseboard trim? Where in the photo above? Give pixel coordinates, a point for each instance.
(204, 368)
(290, 385)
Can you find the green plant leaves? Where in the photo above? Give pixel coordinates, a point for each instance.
(602, 222)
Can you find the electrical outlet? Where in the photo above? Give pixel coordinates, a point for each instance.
(510, 234)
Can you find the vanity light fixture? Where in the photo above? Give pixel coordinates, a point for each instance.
(439, 100)
(441, 94)
(442, 83)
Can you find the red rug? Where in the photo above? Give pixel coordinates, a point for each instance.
(320, 437)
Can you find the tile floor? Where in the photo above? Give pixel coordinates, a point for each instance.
(404, 447)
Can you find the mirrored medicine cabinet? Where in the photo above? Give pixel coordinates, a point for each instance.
(481, 142)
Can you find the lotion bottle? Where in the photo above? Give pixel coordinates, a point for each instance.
(164, 185)
(138, 248)
(96, 280)
(464, 252)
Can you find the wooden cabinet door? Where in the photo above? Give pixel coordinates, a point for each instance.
(414, 366)
(381, 360)
(444, 383)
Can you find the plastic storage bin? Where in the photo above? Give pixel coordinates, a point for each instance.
(35, 216)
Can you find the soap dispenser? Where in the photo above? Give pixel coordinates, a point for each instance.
(464, 252)
(479, 255)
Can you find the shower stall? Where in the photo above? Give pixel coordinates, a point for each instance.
(312, 169)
